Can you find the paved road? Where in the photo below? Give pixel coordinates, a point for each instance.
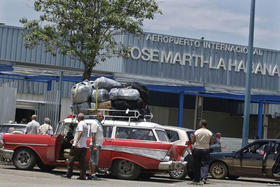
(10, 177)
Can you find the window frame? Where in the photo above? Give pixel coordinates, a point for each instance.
(108, 126)
(167, 130)
(162, 130)
(135, 128)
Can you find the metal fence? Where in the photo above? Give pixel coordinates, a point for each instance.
(50, 108)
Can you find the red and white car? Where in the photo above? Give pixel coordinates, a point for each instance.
(129, 149)
(181, 136)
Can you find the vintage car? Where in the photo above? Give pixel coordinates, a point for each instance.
(130, 148)
(181, 136)
(250, 161)
(12, 128)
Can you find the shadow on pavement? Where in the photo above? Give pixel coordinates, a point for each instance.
(259, 181)
(61, 171)
(254, 180)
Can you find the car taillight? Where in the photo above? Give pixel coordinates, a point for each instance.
(71, 116)
(189, 145)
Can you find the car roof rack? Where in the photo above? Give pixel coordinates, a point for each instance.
(114, 114)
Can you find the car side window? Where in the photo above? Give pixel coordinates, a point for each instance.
(257, 148)
(172, 135)
(107, 131)
(162, 136)
(135, 134)
(190, 135)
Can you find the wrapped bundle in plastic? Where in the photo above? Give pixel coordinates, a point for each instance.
(101, 95)
(124, 94)
(81, 92)
(80, 108)
(144, 92)
(106, 83)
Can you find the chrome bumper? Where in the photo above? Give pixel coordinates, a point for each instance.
(6, 154)
(171, 165)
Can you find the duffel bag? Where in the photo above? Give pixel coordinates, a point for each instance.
(124, 94)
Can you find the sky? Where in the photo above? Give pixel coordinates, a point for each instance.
(216, 20)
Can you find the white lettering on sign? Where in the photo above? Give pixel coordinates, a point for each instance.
(201, 43)
(199, 61)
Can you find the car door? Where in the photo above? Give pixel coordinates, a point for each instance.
(140, 146)
(249, 160)
(105, 154)
(271, 158)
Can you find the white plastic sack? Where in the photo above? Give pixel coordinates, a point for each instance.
(105, 83)
(102, 95)
(124, 94)
(81, 92)
(80, 108)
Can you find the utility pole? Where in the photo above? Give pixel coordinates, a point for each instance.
(245, 131)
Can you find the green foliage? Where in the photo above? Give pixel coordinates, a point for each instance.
(84, 29)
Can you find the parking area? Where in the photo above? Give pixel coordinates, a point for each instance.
(13, 178)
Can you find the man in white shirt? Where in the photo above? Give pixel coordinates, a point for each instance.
(97, 138)
(202, 139)
(33, 126)
(46, 128)
(79, 148)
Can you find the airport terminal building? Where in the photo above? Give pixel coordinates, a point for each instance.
(188, 79)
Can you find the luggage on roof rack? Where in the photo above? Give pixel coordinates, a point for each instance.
(130, 115)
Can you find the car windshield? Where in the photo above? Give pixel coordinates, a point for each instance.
(11, 128)
(65, 129)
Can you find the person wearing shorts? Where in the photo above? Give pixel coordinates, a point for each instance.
(97, 137)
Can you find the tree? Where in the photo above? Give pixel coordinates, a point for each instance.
(84, 29)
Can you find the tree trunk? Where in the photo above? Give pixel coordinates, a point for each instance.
(87, 71)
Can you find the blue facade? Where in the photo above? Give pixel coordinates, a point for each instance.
(219, 72)
(190, 60)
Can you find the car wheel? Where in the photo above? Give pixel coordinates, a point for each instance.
(45, 168)
(24, 159)
(218, 170)
(179, 173)
(232, 177)
(124, 169)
